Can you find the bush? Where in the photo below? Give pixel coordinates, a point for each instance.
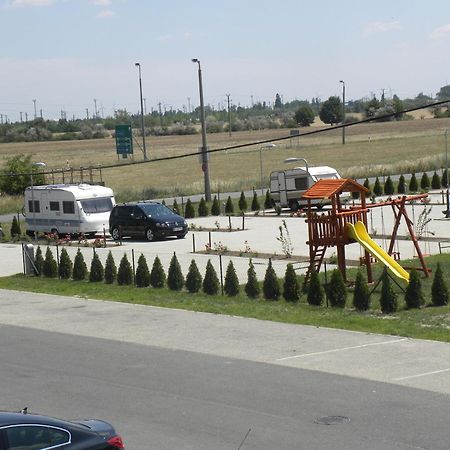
(377, 190)
(268, 200)
(355, 195)
(425, 182)
(189, 211)
(215, 207)
(157, 275)
(271, 286)
(336, 290)
(255, 202)
(65, 265)
(439, 289)
(210, 282)
(79, 267)
(175, 207)
(291, 288)
(413, 185)
(110, 269)
(388, 299)
(193, 278)
(366, 184)
(49, 269)
(229, 207)
(252, 288)
(315, 290)
(444, 179)
(15, 228)
(361, 295)
(97, 272)
(125, 272)
(388, 186)
(38, 261)
(231, 284)
(202, 208)
(413, 293)
(435, 181)
(175, 280)
(401, 188)
(142, 272)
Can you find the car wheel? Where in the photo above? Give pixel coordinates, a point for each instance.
(181, 236)
(115, 233)
(149, 235)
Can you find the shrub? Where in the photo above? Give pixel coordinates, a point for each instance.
(229, 207)
(175, 280)
(355, 195)
(157, 275)
(444, 179)
(401, 188)
(242, 202)
(193, 278)
(439, 289)
(315, 290)
(377, 190)
(388, 299)
(210, 282)
(255, 202)
(142, 272)
(97, 271)
(215, 207)
(79, 267)
(202, 208)
(125, 272)
(231, 284)
(413, 185)
(425, 182)
(268, 200)
(366, 184)
(252, 288)
(15, 228)
(175, 207)
(413, 293)
(110, 269)
(336, 290)
(271, 286)
(436, 181)
(49, 269)
(388, 186)
(65, 265)
(361, 295)
(38, 261)
(189, 211)
(291, 288)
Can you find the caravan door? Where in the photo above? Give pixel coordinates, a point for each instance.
(282, 188)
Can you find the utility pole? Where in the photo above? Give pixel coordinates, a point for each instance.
(87, 113)
(160, 114)
(343, 111)
(229, 115)
(35, 115)
(95, 109)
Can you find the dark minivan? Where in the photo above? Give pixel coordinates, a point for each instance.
(147, 219)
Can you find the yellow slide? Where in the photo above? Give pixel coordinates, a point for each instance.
(359, 233)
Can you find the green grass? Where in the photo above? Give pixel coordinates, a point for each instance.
(426, 323)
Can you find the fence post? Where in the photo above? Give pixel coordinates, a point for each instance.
(221, 272)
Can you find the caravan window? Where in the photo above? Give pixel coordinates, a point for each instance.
(37, 207)
(54, 206)
(301, 183)
(96, 205)
(68, 208)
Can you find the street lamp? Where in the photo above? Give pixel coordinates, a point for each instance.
(343, 111)
(264, 147)
(142, 111)
(37, 164)
(204, 144)
(447, 212)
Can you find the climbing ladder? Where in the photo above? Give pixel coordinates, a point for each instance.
(316, 259)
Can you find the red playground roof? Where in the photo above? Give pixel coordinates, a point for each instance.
(327, 188)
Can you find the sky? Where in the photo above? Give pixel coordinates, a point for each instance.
(66, 53)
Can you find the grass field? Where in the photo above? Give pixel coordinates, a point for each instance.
(370, 149)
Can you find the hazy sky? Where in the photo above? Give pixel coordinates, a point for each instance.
(65, 53)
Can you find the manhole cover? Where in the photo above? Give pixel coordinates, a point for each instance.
(332, 420)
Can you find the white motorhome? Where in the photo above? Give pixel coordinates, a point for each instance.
(288, 186)
(68, 208)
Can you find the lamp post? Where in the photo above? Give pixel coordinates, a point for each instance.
(343, 111)
(447, 212)
(38, 164)
(264, 147)
(142, 112)
(204, 144)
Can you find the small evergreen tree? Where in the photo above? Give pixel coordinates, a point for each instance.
(175, 207)
(38, 261)
(377, 190)
(157, 275)
(444, 179)
(202, 208)
(425, 182)
(15, 228)
(401, 188)
(65, 265)
(436, 181)
(388, 186)
(268, 200)
(439, 289)
(231, 284)
(211, 281)
(97, 272)
(252, 288)
(388, 299)
(413, 293)
(125, 272)
(361, 294)
(255, 202)
(413, 185)
(189, 211)
(366, 184)
(215, 207)
(193, 278)
(316, 293)
(271, 285)
(49, 269)
(291, 288)
(110, 269)
(142, 272)
(242, 202)
(175, 280)
(79, 267)
(336, 291)
(229, 207)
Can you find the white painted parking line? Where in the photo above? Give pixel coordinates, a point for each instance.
(341, 349)
(421, 375)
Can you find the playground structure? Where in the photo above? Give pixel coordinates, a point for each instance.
(345, 225)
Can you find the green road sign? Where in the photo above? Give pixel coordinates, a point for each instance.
(124, 140)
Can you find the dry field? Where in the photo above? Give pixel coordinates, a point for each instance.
(368, 148)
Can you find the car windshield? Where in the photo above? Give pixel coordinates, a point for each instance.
(96, 205)
(155, 209)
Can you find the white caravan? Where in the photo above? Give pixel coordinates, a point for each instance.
(68, 208)
(288, 186)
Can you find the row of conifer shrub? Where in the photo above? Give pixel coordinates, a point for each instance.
(272, 289)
